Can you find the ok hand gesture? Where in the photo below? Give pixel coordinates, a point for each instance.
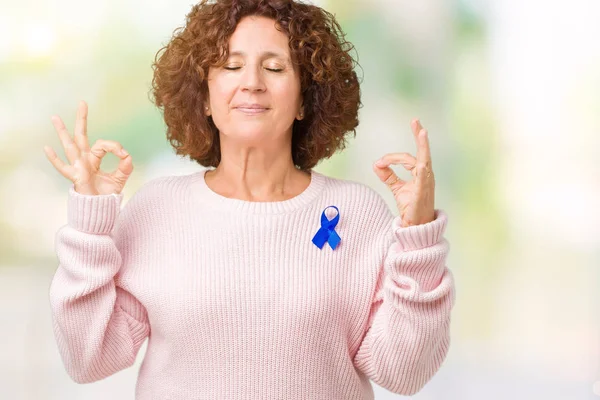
(84, 169)
(414, 198)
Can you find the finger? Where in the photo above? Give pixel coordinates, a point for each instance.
(71, 149)
(416, 126)
(60, 166)
(422, 139)
(423, 174)
(124, 169)
(406, 159)
(103, 147)
(423, 151)
(389, 177)
(81, 127)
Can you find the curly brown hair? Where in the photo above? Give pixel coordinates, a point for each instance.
(329, 84)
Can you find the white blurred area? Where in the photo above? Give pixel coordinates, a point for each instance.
(528, 330)
(546, 75)
(545, 59)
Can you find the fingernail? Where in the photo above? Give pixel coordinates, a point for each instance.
(379, 162)
(124, 152)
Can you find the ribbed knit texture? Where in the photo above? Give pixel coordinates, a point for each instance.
(238, 303)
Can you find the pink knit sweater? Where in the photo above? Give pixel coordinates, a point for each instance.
(238, 302)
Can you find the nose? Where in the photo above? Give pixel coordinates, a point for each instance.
(252, 79)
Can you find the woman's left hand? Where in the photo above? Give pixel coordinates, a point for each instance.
(414, 198)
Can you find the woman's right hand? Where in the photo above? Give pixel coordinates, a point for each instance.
(84, 170)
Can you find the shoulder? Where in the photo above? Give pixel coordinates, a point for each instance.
(161, 187)
(155, 194)
(360, 193)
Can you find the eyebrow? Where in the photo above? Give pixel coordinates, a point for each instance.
(266, 54)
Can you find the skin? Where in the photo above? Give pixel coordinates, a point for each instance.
(256, 160)
(414, 198)
(84, 162)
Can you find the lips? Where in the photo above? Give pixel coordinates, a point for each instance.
(254, 105)
(251, 108)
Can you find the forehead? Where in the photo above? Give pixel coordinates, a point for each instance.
(257, 34)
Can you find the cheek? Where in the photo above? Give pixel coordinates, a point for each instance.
(288, 95)
(221, 93)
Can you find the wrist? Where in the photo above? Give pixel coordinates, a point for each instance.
(86, 190)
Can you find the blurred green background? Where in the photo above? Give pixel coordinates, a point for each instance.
(509, 92)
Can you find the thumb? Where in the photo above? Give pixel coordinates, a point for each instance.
(124, 169)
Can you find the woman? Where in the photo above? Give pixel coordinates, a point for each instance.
(257, 278)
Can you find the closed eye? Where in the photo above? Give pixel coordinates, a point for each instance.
(268, 69)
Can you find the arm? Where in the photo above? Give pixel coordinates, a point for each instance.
(98, 326)
(408, 333)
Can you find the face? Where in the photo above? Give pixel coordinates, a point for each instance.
(255, 95)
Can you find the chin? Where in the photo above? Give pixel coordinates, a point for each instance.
(251, 134)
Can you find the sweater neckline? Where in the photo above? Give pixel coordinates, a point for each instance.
(215, 200)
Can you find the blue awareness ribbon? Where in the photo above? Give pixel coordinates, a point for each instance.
(326, 232)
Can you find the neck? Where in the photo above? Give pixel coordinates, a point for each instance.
(256, 176)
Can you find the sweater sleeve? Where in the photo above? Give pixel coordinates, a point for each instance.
(99, 327)
(408, 333)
